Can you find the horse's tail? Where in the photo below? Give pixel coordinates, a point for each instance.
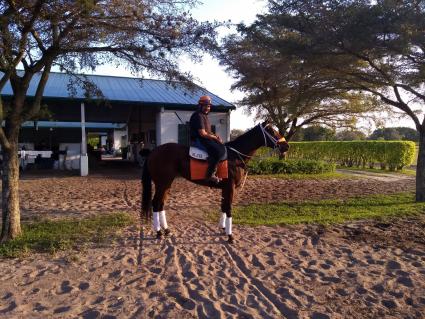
(147, 191)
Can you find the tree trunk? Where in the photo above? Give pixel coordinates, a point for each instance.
(420, 168)
(11, 221)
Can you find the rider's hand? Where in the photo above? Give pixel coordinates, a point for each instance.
(218, 138)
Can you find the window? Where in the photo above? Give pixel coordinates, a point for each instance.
(183, 134)
(152, 137)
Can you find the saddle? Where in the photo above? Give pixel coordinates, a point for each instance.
(199, 165)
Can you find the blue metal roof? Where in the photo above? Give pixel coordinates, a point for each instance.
(125, 89)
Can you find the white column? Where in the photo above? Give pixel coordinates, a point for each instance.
(158, 126)
(84, 160)
(228, 126)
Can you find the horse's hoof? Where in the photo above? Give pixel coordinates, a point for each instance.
(230, 240)
(167, 232)
(223, 230)
(158, 234)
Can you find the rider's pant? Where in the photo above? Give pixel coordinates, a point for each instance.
(216, 151)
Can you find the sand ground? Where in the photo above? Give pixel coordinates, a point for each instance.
(364, 269)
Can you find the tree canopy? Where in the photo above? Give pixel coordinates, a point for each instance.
(235, 133)
(36, 35)
(373, 47)
(321, 133)
(395, 133)
(73, 35)
(284, 87)
(314, 133)
(350, 135)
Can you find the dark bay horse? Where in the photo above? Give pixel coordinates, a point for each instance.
(170, 160)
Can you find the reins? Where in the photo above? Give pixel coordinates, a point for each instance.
(241, 155)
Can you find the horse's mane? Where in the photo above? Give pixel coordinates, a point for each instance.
(244, 141)
(241, 138)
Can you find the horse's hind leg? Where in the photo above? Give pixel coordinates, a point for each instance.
(159, 217)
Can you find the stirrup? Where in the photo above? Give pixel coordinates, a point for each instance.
(214, 179)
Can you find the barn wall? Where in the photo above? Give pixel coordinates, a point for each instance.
(167, 124)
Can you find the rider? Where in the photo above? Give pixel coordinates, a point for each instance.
(200, 128)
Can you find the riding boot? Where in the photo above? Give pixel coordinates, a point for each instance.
(211, 174)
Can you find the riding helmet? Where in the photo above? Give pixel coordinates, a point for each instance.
(204, 100)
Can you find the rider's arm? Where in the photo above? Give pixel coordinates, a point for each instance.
(203, 133)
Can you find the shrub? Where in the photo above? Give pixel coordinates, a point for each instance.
(273, 165)
(388, 154)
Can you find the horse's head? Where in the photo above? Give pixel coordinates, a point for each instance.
(274, 139)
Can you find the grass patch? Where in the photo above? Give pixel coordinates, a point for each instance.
(405, 171)
(329, 211)
(321, 176)
(53, 236)
(409, 171)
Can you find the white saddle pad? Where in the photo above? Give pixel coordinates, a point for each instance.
(197, 153)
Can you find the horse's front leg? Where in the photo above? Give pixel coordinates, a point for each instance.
(226, 208)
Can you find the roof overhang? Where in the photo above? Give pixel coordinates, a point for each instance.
(55, 124)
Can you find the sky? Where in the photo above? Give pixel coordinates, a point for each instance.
(211, 75)
(219, 81)
(214, 77)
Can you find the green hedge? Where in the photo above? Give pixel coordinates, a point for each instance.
(273, 165)
(388, 154)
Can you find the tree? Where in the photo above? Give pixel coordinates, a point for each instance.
(235, 133)
(318, 133)
(388, 134)
(350, 135)
(408, 134)
(39, 34)
(287, 90)
(298, 135)
(373, 46)
(395, 133)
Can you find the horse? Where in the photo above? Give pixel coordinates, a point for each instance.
(170, 160)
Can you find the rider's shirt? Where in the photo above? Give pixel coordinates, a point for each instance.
(199, 121)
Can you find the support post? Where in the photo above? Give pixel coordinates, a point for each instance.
(228, 126)
(84, 160)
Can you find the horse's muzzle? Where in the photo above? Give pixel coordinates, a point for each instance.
(283, 147)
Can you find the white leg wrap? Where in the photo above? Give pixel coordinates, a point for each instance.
(222, 222)
(163, 219)
(156, 224)
(228, 225)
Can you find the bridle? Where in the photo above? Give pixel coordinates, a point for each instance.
(271, 137)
